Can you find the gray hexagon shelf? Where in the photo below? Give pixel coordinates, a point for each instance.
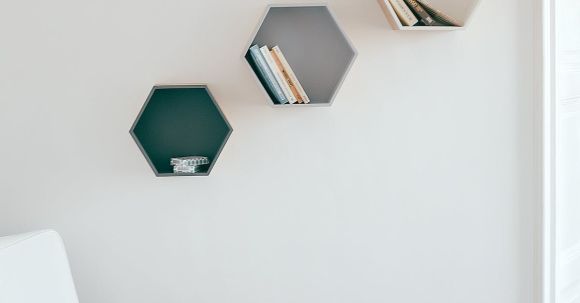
(178, 121)
(314, 45)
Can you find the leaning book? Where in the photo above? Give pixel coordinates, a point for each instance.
(286, 77)
(421, 13)
(278, 74)
(438, 15)
(266, 75)
(290, 74)
(403, 11)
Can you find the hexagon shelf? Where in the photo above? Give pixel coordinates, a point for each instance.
(460, 10)
(315, 47)
(178, 121)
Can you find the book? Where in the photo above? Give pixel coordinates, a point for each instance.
(288, 69)
(278, 74)
(266, 74)
(188, 169)
(404, 13)
(421, 13)
(286, 76)
(438, 15)
(192, 160)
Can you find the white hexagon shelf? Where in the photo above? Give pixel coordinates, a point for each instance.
(180, 121)
(314, 45)
(460, 10)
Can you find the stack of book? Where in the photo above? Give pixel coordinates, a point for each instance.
(189, 165)
(421, 13)
(277, 75)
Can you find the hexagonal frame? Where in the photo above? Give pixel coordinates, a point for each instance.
(462, 10)
(162, 172)
(306, 71)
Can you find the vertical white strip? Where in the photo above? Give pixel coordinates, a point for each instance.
(548, 257)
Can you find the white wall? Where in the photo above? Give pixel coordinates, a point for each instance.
(439, 208)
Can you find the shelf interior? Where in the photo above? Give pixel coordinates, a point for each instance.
(179, 122)
(313, 44)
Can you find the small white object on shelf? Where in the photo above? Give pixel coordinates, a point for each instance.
(191, 160)
(189, 165)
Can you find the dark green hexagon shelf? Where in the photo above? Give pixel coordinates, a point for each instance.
(179, 121)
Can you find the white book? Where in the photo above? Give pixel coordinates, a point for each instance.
(291, 74)
(404, 13)
(278, 74)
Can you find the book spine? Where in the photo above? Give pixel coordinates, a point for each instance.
(286, 76)
(421, 13)
(267, 75)
(277, 74)
(291, 74)
(404, 13)
(439, 15)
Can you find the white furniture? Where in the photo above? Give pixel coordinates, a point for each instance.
(34, 269)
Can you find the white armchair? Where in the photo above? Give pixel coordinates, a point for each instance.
(34, 269)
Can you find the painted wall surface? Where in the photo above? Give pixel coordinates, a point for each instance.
(415, 186)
